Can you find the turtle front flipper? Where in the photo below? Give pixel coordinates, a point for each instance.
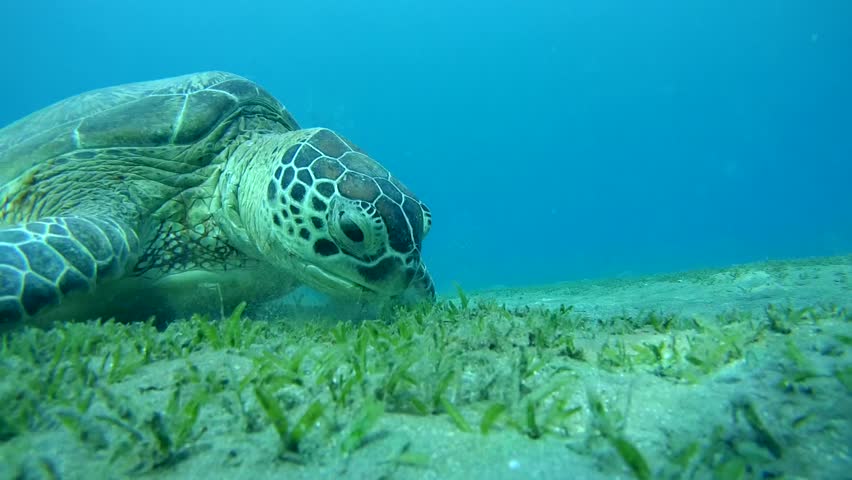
(45, 260)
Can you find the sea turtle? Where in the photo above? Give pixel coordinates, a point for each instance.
(128, 196)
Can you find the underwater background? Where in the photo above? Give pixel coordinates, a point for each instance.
(553, 140)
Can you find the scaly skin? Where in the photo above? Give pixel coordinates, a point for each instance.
(43, 261)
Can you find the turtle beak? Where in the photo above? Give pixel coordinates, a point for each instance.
(421, 288)
(328, 282)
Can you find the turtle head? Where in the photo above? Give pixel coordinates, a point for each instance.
(324, 211)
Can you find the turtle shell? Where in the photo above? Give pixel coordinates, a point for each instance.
(175, 111)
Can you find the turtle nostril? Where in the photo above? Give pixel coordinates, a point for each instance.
(352, 230)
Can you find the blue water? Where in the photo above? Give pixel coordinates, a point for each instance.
(553, 140)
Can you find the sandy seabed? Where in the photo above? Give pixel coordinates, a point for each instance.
(742, 372)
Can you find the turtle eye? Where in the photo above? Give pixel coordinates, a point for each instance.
(354, 228)
(351, 229)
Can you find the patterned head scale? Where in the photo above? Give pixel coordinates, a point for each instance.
(355, 220)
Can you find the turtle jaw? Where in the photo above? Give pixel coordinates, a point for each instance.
(421, 287)
(343, 283)
(330, 283)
